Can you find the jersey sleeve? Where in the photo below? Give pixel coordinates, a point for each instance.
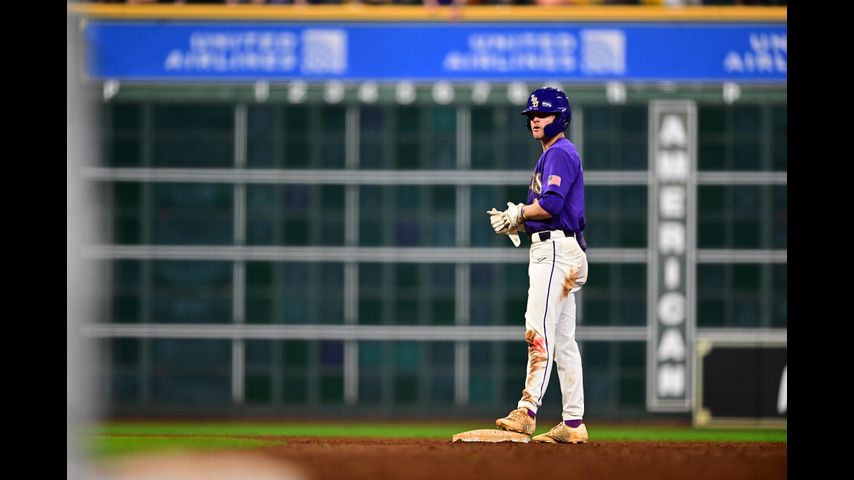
(559, 173)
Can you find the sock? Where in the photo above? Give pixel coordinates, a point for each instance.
(532, 414)
(573, 423)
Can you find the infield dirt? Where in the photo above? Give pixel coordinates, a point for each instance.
(324, 458)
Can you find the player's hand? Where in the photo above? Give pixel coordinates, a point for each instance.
(513, 214)
(499, 222)
(501, 227)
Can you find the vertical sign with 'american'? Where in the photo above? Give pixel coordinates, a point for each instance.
(671, 254)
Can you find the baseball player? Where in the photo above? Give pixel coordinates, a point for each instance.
(554, 218)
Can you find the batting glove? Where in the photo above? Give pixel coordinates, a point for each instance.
(498, 222)
(513, 214)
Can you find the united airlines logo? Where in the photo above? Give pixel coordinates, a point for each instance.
(324, 51)
(534, 101)
(603, 52)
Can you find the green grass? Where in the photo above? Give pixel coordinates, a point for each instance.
(106, 447)
(120, 438)
(686, 434)
(397, 430)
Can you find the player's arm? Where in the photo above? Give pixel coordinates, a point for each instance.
(534, 212)
(559, 174)
(517, 214)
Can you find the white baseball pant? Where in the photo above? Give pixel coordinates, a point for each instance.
(557, 269)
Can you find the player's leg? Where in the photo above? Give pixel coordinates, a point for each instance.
(541, 317)
(571, 428)
(550, 265)
(568, 357)
(568, 360)
(567, 354)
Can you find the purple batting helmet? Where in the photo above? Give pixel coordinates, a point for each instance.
(550, 100)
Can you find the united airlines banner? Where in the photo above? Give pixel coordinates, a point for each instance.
(590, 52)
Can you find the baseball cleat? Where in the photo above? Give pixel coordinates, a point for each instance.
(518, 421)
(561, 433)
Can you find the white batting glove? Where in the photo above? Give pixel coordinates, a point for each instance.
(513, 214)
(500, 225)
(498, 222)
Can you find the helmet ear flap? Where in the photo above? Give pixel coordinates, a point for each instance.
(559, 124)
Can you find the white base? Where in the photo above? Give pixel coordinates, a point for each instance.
(491, 436)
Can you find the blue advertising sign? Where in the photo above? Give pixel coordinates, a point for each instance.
(570, 52)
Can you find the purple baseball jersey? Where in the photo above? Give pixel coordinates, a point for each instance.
(557, 182)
